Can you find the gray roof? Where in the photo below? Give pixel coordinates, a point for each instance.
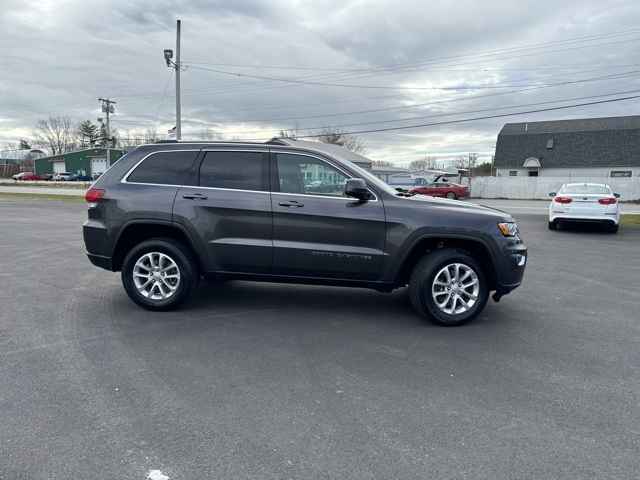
(327, 148)
(589, 142)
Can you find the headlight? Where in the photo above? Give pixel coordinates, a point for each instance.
(508, 229)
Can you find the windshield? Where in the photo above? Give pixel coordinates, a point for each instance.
(586, 189)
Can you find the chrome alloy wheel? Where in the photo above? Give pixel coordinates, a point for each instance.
(156, 276)
(455, 288)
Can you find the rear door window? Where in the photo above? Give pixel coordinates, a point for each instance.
(235, 170)
(164, 168)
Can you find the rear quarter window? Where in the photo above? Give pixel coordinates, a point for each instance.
(164, 168)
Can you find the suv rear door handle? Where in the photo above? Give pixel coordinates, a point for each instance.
(194, 196)
(291, 203)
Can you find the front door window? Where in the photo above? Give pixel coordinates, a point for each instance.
(309, 176)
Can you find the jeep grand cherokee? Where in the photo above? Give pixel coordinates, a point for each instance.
(167, 214)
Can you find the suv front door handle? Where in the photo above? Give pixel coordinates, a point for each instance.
(291, 203)
(194, 196)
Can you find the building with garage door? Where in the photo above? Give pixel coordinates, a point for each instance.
(91, 161)
(590, 147)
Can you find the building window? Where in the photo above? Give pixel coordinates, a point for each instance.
(533, 173)
(513, 173)
(550, 144)
(620, 173)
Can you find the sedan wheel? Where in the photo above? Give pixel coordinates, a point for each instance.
(451, 196)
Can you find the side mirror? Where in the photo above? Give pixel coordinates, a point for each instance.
(357, 188)
(552, 194)
(617, 195)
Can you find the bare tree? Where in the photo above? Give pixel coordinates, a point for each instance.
(338, 137)
(427, 163)
(151, 135)
(289, 133)
(57, 133)
(207, 133)
(381, 163)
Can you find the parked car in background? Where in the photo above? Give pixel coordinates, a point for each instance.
(440, 187)
(27, 177)
(585, 202)
(63, 177)
(82, 178)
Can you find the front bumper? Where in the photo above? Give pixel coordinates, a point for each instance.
(511, 269)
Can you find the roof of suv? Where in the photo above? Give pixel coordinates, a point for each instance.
(335, 151)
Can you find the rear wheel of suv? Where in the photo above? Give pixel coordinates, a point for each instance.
(159, 274)
(553, 225)
(449, 287)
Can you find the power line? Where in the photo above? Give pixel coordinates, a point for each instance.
(390, 70)
(490, 52)
(449, 114)
(381, 70)
(388, 87)
(487, 117)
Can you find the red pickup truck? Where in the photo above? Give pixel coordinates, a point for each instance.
(441, 187)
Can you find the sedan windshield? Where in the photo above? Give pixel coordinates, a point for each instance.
(586, 189)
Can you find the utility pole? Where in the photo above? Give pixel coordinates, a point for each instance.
(168, 55)
(108, 108)
(178, 113)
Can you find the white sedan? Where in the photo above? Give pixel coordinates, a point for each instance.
(585, 202)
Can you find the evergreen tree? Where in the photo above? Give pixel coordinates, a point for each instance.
(88, 133)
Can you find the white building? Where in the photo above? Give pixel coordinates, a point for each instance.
(592, 147)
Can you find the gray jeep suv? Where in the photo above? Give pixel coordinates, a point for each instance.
(167, 214)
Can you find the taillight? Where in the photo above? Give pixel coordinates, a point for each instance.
(94, 195)
(607, 201)
(563, 199)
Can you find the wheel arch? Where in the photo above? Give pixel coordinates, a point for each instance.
(425, 244)
(135, 232)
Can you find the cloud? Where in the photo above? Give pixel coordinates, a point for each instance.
(59, 57)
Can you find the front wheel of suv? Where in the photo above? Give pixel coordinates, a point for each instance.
(159, 274)
(449, 287)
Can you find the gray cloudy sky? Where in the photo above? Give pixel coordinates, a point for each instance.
(461, 58)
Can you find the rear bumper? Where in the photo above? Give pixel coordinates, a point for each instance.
(101, 261)
(97, 245)
(567, 217)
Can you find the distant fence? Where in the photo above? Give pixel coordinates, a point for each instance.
(529, 188)
(9, 169)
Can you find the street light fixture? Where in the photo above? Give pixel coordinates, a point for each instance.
(168, 55)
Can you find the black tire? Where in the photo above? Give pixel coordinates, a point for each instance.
(452, 196)
(182, 257)
(613, 228)
(421, 282)
(553, 225)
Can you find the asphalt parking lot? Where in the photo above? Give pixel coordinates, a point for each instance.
(279, 381)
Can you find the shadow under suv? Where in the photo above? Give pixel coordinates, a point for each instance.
(292, 211)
